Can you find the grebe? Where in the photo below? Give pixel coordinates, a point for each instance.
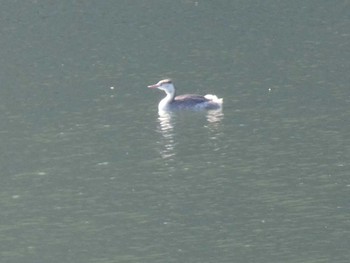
(187, 101)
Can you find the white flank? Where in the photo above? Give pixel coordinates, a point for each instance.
(214, 98)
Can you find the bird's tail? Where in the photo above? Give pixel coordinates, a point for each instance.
(214, 98)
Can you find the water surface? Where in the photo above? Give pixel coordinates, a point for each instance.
(92, 173)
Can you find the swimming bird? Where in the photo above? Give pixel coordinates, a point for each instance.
(187, 101)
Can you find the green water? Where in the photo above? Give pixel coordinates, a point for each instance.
(91, 173)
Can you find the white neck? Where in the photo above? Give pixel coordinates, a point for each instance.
(170, 94)
(163, 104)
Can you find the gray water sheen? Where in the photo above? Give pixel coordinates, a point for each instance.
(91, 173)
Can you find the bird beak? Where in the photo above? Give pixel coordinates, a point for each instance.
(153, 86)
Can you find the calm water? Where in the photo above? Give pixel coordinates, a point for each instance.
(91, 173)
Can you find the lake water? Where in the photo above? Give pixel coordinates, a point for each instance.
(91, 172)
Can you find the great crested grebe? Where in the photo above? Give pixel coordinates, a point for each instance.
(186, 101)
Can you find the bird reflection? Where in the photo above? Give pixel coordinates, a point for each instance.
(167, 121)
(166, 128)
(215, 116)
